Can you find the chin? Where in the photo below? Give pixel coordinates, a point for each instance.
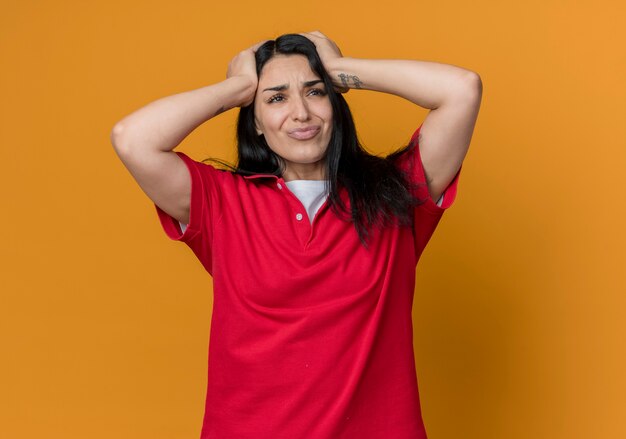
(308, 159)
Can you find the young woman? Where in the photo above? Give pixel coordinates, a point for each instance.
(312, 242)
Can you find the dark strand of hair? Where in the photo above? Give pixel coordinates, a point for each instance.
(380, 193)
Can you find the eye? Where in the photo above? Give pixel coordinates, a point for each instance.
(276, 98)
(318, 92)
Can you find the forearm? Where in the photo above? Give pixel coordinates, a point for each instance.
(427, 84)
(163, 124)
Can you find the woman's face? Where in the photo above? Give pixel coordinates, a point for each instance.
(292, 110)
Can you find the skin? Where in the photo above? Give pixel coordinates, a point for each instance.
(451, 93)
(277, 112)
(144, 140)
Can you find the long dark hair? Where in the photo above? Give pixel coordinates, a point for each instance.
(380, 193)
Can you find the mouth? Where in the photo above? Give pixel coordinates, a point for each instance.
(304, 133)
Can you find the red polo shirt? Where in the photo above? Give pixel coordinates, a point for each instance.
(311, 334)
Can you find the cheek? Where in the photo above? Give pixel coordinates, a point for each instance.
(327, 111)
(273, 121)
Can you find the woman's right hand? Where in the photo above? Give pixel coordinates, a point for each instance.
(244, 64)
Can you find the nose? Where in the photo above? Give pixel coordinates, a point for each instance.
(300, 109)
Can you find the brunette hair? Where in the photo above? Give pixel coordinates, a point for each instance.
(380, 192)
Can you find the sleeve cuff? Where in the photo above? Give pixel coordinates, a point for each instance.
(171, 226)
(448, 195)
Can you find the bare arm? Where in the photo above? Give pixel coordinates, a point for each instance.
(144, 139)
(163, 124)
(453, 95)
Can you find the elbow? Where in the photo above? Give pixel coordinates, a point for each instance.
(473, 85)
(116, 133)
(468, 90)
(116, 138)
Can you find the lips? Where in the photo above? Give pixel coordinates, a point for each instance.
(304, 133)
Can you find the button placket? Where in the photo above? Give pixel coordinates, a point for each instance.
(303, 228)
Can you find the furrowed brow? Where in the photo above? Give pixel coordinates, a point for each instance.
(310, 83)
(277, 88)
(285, 86)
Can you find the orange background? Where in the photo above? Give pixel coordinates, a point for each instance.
(520, 304)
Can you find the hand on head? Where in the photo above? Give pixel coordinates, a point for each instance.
(329, 52)
(244, 64)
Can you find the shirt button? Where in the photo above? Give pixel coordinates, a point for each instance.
(298, 216)
(280, 186)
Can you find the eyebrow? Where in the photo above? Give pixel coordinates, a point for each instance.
(285, 86)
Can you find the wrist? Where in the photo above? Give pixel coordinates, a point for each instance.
(336, 66)
(238, 91)
(343, 74)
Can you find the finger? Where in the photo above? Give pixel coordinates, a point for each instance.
(309, 35)
(255, 47)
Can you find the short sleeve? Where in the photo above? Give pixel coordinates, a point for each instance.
(428, 214)
(204, 211)
(419, 177)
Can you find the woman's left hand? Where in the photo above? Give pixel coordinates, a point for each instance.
(329, 53)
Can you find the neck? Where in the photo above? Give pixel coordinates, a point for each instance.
(309, 171)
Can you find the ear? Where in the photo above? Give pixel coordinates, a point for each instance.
(256, 125)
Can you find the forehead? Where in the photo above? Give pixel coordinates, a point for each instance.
(281, 67)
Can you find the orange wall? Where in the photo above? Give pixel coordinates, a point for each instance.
(520, 307)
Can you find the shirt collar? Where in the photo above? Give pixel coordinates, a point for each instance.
(262, 176)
